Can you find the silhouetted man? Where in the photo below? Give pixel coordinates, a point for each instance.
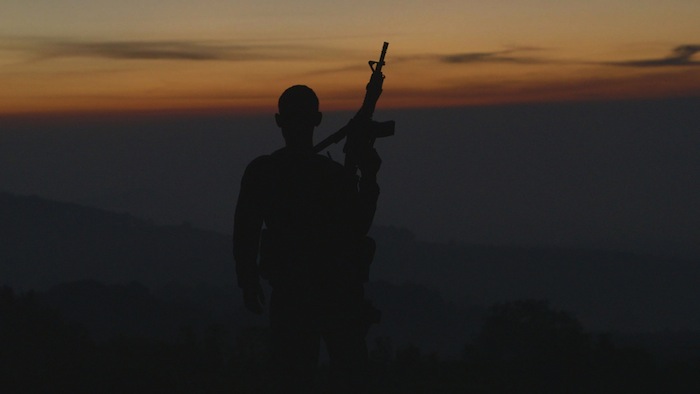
(313, 250)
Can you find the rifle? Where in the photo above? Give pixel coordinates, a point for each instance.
(361, 132)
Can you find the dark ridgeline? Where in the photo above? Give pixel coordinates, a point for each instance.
(45, 242)
(114, 337)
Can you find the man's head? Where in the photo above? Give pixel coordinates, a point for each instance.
(298, 109)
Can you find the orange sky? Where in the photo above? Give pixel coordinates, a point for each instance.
(99, 56)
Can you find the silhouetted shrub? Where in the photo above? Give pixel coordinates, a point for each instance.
(526, 346)
(39, 352)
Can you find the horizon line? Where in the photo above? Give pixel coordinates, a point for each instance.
(257, 111)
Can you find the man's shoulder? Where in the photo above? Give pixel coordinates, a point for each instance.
(258, 166)
(260, 160)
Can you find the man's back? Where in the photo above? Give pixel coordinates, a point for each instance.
(305, 201)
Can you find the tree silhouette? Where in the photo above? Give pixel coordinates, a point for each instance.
(525, 346)
(39, 352)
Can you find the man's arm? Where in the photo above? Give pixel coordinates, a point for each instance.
(247, 226)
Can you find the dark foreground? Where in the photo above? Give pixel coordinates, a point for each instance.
(521, 347)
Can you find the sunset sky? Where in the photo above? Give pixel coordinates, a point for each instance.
(79, 55)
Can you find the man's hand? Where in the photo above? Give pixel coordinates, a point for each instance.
(254, 298)
(374, 86)
(369, 163)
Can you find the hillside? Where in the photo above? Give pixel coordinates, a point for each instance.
(45, 243)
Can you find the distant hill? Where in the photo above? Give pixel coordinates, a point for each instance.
(44, 243)
(606, 290)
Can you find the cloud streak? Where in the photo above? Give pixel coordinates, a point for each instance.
(155, 50)
(680, 56)
(505, 56)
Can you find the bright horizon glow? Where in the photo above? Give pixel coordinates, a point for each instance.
(78, 56)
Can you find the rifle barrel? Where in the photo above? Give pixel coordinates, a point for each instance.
(381, 57)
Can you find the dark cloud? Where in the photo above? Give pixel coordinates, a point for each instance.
(155, 50)
(512, 55)
(490, 57)
(149, 51)
(681, 56)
